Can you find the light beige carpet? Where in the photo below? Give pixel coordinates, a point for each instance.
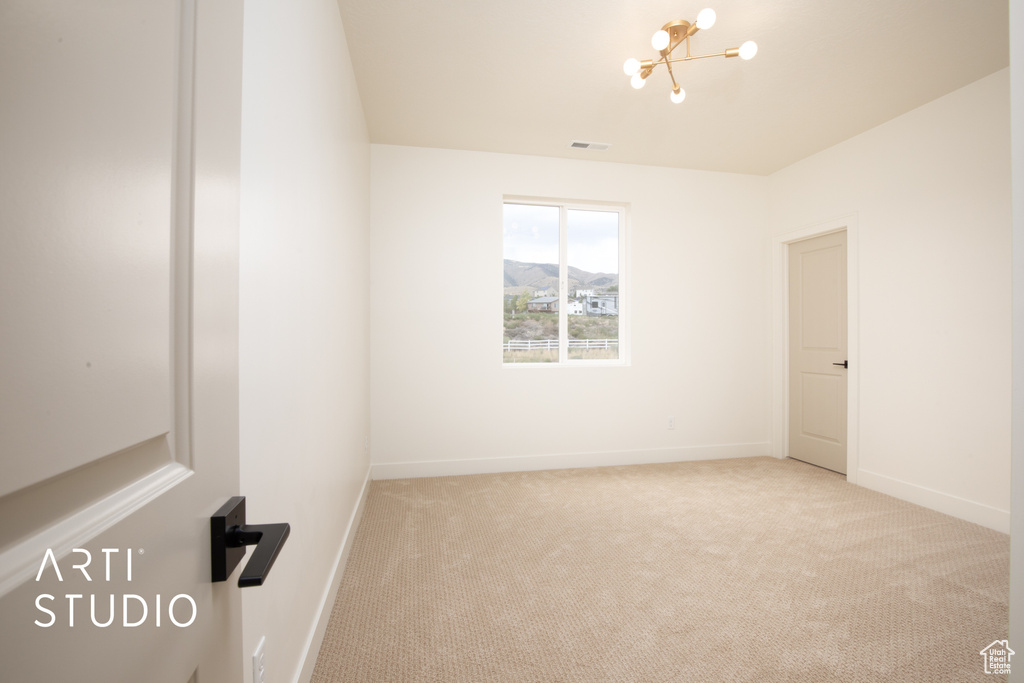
(737, 570)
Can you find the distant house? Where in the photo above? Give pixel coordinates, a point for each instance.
(584, 292)
(574, 308)
(544, 292)
(604, 304)
(544, 304)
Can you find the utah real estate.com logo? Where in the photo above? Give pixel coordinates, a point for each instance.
(134, 608)
(997, 657)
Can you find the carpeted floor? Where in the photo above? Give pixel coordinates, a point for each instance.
(735, 570)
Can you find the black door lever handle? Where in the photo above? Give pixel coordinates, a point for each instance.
(268, 539)
(845, 364)
(229, 534)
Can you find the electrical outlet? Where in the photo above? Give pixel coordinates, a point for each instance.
(259, 662)
(671, 422)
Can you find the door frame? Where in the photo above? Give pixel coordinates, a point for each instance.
(780, 336)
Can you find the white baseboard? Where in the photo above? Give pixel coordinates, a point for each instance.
(316, 636)
(961, 508)
(559, 461)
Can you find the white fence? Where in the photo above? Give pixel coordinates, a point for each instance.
(538, 344)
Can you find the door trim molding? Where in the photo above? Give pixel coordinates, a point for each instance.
(780, 336)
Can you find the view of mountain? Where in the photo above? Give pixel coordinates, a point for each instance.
(544, 275)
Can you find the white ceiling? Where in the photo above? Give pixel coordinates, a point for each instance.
(529, 76)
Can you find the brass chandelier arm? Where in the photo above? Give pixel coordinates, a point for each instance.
(688, 58)
(666, 54)
(732, 52)
(668, 65)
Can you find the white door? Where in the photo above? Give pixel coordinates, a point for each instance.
(119, 153)
(817, 351)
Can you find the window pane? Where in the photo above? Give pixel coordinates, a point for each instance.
(531, 284)
(593, 304)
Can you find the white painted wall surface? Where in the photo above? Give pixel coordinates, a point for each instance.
(304, 351)
(442, 403)
(1017, 136)
(931, 193)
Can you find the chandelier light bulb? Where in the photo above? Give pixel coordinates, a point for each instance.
(660, 40)
(631, 66)
(678, 97)
(706, 19)
(748, 49)
(637, 81)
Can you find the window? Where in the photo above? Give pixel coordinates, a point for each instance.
(564, 283)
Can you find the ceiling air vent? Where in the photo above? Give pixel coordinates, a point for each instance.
(580, 144)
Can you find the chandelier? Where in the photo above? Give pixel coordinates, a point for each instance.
(668, 38)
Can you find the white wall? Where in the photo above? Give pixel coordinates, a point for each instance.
(1017, 133)
(931, 194)
(303, 313)
(441, 402)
